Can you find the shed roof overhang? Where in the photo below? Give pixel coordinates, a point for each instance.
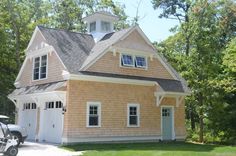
(49, 91)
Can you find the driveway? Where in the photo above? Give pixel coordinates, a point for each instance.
(41, 149)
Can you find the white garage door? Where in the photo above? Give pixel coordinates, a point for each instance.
(28, 119)
(53, 122)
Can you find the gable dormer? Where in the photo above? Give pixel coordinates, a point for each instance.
(100, 23)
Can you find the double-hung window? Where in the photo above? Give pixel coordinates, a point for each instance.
(93, 114)
(133, 115)
(140, 62)
(40, 67)
(127, 60)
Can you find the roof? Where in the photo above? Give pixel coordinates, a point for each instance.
(41, 88)
(103, 14)
(168, 85)
(103, 44)
(73, 48)
(77, 50)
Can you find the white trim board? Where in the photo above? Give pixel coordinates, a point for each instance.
(151, 138)
(108, 80)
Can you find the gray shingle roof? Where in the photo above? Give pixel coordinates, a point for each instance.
(107, 41)
(47, 87)
(77, 50)
(168, 85)
(73, 48)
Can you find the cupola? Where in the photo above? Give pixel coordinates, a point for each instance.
(100, 23)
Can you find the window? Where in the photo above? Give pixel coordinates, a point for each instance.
(106, 26)
(92, 27)
(127, 60)
(93, 114)
(133, 115)
(165, 112)
(33, 106)
(36, 68)
(49, 105)
(40, 67)
(58, 104)
(43, 68)
(27, 106)
(140, 62)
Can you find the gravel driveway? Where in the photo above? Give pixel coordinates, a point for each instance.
(41, 149)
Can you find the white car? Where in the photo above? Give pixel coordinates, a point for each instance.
(18, 132)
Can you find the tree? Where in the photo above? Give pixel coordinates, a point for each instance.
(205, 67)
(178, 10)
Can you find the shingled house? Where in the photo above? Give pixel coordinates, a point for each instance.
(99, 86)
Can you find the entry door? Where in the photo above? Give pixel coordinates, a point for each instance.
(167, 123)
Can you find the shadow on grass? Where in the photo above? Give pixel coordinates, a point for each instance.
(175, 146)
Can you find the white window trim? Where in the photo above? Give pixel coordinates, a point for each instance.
(134, 61)
(141, 67)
(98, 104)
(138, 114)
(126, 65)
(40, 57)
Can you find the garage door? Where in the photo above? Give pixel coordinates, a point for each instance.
(28, 119)
(53, 122)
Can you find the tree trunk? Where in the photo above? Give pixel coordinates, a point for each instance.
(201, 116)
(18, 62)
(192, 119)
(201, 139)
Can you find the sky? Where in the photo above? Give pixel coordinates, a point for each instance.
(155, 28)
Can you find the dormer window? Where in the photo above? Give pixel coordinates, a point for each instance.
(134, 61)
(40, 68)
(106, 26)
(140, 62)
(92, 27)
(127, 60)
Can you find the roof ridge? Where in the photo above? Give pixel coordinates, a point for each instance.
(58, 29)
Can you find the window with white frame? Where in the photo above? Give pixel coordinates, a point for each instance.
(93, 114)
(133, 61)
(27, 106)
(133, 115)
(49, 105)
(58, 104)
(40, 67)
(92, 27)
(140, 62)
(127, 60)
(33, 106)
(106, 26)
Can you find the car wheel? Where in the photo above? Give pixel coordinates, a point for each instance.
(17, 137)
(12, 151)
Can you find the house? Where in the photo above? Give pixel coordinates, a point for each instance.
(100, 86)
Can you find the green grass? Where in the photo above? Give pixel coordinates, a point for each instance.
(153, 149)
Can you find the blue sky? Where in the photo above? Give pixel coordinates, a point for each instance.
(155, 28)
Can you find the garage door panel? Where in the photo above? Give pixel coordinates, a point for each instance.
(28, 117)
(53, 124)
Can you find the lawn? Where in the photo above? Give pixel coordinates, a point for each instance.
(153, 149)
